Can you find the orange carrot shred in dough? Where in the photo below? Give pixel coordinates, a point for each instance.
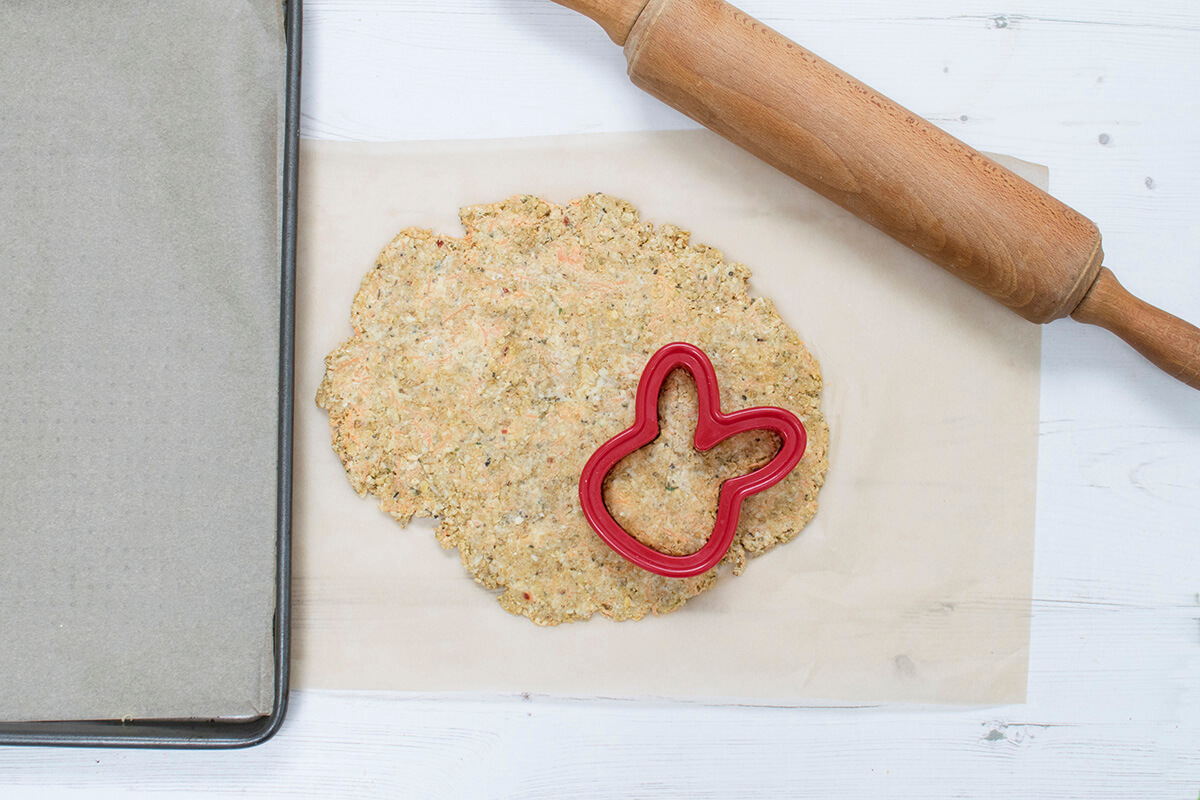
(484, 371)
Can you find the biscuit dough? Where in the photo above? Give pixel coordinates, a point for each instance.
(485, 370)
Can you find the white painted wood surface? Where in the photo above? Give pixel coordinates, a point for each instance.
(1107, 94)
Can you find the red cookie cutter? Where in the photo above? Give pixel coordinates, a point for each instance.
(712, 427)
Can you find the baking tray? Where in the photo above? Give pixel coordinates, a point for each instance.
(211, 734)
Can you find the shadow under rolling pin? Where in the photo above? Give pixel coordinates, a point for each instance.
(883, 163)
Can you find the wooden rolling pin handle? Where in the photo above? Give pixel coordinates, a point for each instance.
(1168, 342)
(615, 16)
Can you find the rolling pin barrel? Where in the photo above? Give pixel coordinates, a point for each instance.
(881, 162)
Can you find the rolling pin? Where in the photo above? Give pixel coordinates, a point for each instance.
(886, 165)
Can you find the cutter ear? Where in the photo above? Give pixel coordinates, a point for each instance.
(712, 426)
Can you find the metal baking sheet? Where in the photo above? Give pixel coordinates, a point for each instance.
(146, 340)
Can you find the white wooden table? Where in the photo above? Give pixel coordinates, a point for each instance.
(1107, 94)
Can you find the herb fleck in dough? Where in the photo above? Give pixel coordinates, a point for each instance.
(484, 371)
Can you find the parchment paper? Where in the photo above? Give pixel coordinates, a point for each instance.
(139, 337)
(913, 582)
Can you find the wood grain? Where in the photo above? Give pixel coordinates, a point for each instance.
(615, 16)
(1167, 341)
(365, 745)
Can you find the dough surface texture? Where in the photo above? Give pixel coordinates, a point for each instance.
(485, 370)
